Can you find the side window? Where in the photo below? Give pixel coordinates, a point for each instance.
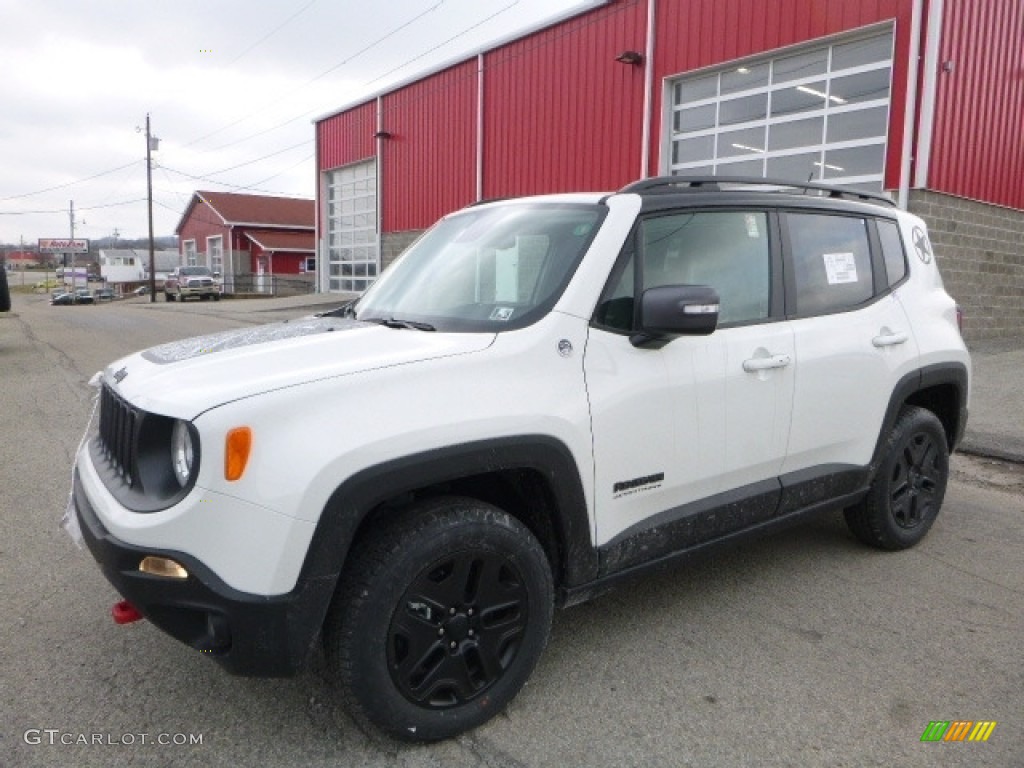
(831, 261)
(727, 250)
(892, 251)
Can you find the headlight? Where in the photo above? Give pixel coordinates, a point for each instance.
(183, 453)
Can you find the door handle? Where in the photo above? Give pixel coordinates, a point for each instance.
(755, 364)
(889, 339)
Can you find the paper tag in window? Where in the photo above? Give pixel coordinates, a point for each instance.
(502, 314)
(752, 230)
(840, 268)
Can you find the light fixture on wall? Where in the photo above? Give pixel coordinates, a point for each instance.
(630, 57)
(382, 135)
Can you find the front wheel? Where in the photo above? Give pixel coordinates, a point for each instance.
(907, 492)
(439, 619)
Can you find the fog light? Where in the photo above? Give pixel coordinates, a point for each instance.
(163, 566)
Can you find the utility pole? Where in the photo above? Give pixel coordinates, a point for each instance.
(149, 203)
(71, 216)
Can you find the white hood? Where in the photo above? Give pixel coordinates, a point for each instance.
(184, 378)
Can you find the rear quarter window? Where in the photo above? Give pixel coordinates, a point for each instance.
(892, 251)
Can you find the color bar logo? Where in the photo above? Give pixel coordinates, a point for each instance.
(958, 730)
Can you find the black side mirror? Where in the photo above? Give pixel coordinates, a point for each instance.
(5, 292)
(676, 310)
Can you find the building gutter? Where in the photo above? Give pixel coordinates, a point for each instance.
(910, 105)
(930, 84)
(480, 127)
(648, 90)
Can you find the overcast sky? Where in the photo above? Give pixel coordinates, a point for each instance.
(231, 86)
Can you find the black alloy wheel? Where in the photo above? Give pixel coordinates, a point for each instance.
(907, 492)
(917, 475)
(458, 628)
(439, 618)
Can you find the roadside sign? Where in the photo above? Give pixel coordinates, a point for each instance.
(63, 245)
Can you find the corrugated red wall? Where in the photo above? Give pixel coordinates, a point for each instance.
(347, 138)
(561, 113)
(692, 34)
(978, 147)
(428, 166)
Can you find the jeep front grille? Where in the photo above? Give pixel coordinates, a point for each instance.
(118, 422)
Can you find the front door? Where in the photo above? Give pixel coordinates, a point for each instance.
(690, 435)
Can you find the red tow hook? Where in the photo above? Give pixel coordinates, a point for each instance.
(125, 613)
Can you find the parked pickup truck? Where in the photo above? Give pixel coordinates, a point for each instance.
(184, 282)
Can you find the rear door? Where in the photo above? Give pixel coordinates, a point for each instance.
(853, 344)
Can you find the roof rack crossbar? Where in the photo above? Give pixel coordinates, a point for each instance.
(705, 183)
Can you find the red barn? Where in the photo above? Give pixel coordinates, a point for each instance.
(258, 243)
(921, 98)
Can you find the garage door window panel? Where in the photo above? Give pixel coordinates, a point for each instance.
(827, 97)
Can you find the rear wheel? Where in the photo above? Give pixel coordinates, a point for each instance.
(908, 489)
(439, 619)
(168, 296)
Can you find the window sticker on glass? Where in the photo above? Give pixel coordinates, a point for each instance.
(502, 314)
(840, 268)
(752, 230)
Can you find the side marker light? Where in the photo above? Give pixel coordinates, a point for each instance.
(237, 446)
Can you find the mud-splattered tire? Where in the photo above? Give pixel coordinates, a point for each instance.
(439, 619)
(907, 492)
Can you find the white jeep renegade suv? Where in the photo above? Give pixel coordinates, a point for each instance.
(541, 397)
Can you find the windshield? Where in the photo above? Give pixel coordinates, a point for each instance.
(194, 271)
(487, 269)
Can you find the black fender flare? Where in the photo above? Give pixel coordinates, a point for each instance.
(952, 374)
(367, 489)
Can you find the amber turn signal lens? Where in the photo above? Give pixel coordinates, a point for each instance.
(163, 566)
(236, 452)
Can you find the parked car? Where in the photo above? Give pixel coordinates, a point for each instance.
(184, 282)
(542, 397)
(78, 296)
(142, 290)
(104, 294)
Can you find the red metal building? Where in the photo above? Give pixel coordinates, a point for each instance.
(258, 243)
(923, 98)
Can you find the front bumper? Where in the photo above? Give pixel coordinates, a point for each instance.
(199, 290)
(247, 634)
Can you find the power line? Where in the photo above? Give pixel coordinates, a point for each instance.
(71, 183)
(312, 80)
(256, 184)
(441, 45)
(275, 30)
(78, 208)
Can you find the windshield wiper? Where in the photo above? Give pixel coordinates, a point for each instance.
(345, 310)
(409, 324)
